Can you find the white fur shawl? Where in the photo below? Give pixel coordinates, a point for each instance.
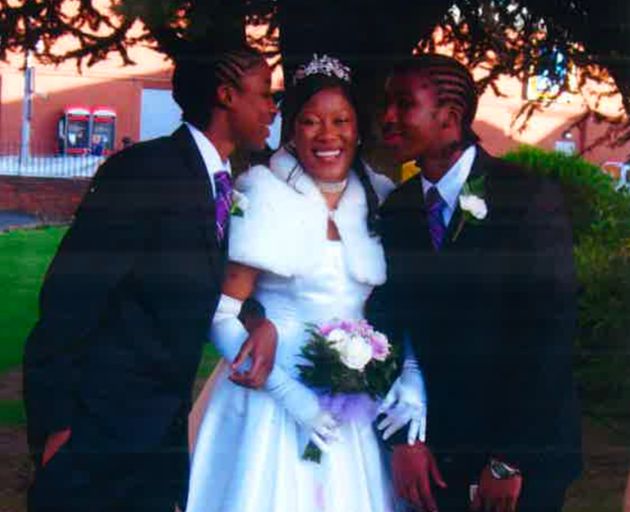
(283, 229)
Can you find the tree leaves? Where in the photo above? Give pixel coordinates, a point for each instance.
(506, 37)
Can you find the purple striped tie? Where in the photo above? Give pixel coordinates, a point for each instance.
(222, 201)
(435, 208)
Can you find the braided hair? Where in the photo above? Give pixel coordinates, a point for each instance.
(298, 95)
(454, 85)
(199, 73)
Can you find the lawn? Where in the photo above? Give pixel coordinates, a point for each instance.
(24, 258)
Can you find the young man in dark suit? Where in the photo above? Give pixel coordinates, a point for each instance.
(126, 303)
(481, 282)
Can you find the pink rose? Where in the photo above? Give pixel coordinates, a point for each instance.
(380, 346)
(326, 329)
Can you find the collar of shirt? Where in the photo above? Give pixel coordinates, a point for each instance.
(450, 185)
(209, 154)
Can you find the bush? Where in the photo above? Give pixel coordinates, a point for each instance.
(601, 226)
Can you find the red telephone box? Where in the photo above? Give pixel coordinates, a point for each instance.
(74, 131)
(103, 135)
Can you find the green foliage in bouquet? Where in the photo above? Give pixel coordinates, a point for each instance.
(601, 228)
(326, 372)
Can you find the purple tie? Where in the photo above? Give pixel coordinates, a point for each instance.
(222, 201)
(435, 207)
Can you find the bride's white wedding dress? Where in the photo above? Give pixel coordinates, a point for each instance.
(247, 453)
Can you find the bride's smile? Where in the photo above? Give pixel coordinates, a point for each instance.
(325, 134)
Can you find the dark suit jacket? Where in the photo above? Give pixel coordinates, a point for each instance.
(491, 318)
(126, 303)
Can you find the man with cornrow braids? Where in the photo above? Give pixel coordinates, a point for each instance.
(481, 284)
(127, 301)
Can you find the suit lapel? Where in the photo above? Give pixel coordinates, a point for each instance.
(460, 230)
(416, 214)
(454, 229)
(197, 169)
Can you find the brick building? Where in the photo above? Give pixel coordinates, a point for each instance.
(135, 93)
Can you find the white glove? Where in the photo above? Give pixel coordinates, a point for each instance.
(227, 332)
(303, 406)
(228, 335)
(406, 402)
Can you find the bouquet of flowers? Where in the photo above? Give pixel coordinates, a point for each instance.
(349, 364)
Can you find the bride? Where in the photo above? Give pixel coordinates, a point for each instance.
(306, 246)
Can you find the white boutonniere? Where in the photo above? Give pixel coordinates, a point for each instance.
(240, 203)
(472, 204)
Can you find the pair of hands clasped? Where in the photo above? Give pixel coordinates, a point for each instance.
(415, 471)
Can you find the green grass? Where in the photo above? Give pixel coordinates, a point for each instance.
(24, 258)
(209, 359)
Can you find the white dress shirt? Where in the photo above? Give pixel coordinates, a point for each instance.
(450, 185)
(210, 155)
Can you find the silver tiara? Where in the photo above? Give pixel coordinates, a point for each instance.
(323, 65)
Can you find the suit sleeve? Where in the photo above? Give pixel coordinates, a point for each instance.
(96, 254)
(533, 381)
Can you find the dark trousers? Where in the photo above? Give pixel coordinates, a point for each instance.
(539, 494)
(84, 477)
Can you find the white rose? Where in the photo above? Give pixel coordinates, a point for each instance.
(356, 353)
(339, 338)
(475, 205)
(240, 200)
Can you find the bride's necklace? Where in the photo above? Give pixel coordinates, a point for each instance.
(331, 187)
